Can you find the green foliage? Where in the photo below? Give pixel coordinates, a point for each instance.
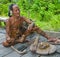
(55, 22)
(4, 1)
(46, 13)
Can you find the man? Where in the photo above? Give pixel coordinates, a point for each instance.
(15, 32)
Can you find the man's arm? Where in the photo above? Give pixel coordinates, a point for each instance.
(39, 30)
(27, 20)
(7, 29)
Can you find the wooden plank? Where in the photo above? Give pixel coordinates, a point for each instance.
(52, 55)
(13, 54)
(3, 19)
(8, 52)
(30, 54)
(2, 38)
(4, 51)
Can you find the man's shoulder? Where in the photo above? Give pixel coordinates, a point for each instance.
(9, 19)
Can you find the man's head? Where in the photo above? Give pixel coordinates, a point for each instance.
(14, 10)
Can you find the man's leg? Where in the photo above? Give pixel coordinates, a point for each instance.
(38, 30)
(23, 37)
(26, 33)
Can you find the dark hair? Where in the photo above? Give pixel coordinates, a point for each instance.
(10, 9)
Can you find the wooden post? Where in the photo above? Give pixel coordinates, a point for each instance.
(3, 19)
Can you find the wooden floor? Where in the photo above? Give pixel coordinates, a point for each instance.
(8, 52)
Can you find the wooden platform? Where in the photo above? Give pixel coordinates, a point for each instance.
(8, 52)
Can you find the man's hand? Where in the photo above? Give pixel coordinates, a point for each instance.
(31, 26)
(10, 40)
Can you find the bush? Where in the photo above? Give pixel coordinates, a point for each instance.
(44, 12)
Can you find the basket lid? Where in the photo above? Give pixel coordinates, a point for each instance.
(45, 48)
